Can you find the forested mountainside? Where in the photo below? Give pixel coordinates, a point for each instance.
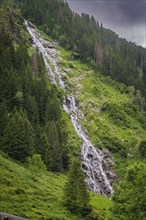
(102, 48)
(29, 103)
(38, 139)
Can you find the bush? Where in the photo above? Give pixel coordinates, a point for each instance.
(36, 165)
(142, 149)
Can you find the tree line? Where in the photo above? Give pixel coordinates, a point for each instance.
(30, 106)
(31, 121)
(102, 48)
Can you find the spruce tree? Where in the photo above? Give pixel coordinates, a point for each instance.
(3, 118)
(129, 200)
(36, 164)
(75, 192)
(142, 149)
(56, 148)
(32, 109)
(18, 139)
(53, 111)
(45, 151)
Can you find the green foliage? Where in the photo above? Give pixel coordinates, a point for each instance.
(130, 195)
(115, 57)
(45, 150)
(101, 206)
(19, 99)
(55, 143)
(52, 104)
(76, 197)
(25, 88)
(39, 198)
(32, 109)
(18, 139)
(142, 149)
(112, 118)
(33, 120)
(4, 118)
(36, 165)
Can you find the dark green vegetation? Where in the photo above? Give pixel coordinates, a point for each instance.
(123, 61)
(34, 193)
(130, 196)
(114, 120)
(113, 116)
(33, 123)
(76, 197)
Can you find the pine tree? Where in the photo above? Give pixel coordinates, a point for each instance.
(53, 111)
(36, 164)
(142, 149)
(56, 148)
(75, 193)
(18, 139)
(129, 200)
(3, 118)
(32, 109)
(45, 151)
(40, 94)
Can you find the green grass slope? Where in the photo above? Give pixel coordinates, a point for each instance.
(113, 116)
(39, 196)
(112, 119)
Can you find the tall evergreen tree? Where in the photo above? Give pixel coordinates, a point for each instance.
(92, 41)
(75, 193)
(36, 164)
(18, 139)
(56, 148)
(32, 109)
(130, 196)
(3, 118)
(45, 151)
(142, 149)
(53, 110)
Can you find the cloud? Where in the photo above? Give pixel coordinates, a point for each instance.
(126, 12)
(126, 17)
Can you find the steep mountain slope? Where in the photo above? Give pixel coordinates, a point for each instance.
(25, 91)
(107, 113)
(112, 116)
(39, 195)
(92, 159)
(102, 48)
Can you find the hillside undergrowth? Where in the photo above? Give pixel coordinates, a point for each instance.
(39, 196)
(113, 117)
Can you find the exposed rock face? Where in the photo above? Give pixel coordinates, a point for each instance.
(108, 166)
(96, 164)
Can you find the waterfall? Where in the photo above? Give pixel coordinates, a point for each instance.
(39, 43)
(92, 159)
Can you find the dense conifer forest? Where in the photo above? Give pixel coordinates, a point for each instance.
(102, 48)
(40, 149)
(29, 106)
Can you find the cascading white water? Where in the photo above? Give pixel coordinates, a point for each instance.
(92, 158)
(39, 43)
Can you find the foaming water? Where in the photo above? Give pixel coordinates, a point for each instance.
(91, 157)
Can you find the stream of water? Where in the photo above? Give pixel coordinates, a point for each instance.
(92, 158)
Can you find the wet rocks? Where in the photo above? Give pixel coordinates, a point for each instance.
(108, 166)
(91, 158)
(96, 164)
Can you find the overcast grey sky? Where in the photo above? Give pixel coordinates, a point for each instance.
(126, 17)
